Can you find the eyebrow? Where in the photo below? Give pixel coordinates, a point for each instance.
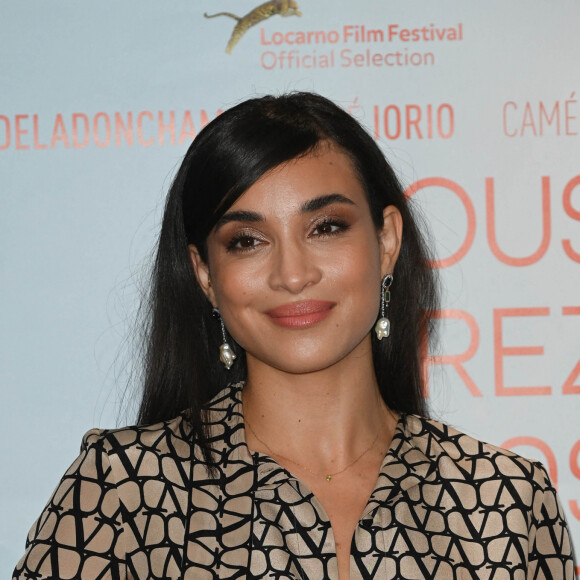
(307, 207)
(323, 201)
(238, 216)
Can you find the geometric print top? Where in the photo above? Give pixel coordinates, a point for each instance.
(139, 503)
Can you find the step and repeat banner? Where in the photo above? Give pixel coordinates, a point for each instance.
(476, 104)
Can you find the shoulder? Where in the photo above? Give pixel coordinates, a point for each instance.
(498, 492)
(120, 476)
(132, 445)
(171, 438)
(147, 435)
(461, 457)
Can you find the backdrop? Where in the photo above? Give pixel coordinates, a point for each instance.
(474, 102)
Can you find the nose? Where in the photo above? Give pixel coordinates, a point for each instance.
(293, 268)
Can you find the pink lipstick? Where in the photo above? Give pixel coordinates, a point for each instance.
(300, 314)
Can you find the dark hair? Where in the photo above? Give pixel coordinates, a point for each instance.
(182, 370)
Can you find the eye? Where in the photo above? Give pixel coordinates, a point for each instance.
(329, 227)
(242, 243)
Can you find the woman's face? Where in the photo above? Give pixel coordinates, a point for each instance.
(295, 264)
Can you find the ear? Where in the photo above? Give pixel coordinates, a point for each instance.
(201, 270)
(390, 237)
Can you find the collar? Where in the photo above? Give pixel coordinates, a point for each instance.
(411, 458)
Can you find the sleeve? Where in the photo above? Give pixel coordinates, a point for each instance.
(80, 532)
(551, 554)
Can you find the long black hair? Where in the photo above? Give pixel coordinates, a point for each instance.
(182, 370)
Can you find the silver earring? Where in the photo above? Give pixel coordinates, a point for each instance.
(383, 325)
(227, 355)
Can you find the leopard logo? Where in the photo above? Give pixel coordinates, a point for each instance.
(262, 12)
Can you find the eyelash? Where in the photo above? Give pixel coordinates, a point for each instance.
(339, 225)
(231, 247)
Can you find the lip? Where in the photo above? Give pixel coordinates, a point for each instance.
(301, 314)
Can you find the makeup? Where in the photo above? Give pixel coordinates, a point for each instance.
(301, 314)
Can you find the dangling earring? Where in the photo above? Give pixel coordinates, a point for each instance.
(227, 355)
(383, 325)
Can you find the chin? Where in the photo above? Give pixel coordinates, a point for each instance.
(311, 358)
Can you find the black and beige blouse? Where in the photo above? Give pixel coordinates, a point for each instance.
(139, 503)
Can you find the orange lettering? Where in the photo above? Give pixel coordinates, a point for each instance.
(449, 108)
(126, 129)
(19, 131)
(205, 118)
(397, 133)
(77, 143)
(37, 145)
(569, 387)
(414, 121)
(187, 128)
(457, 360)
(170, 127)
(573, 213)
(140, 117)
(501, 351)
(107, 139)
(6, 143)
(59, 133)
(491, 236)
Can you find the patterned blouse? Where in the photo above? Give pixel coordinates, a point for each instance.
(139, 503)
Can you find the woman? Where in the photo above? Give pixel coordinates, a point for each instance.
(283, 232)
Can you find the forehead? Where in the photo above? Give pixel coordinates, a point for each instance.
(326, 170)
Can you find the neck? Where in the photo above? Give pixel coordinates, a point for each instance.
(328, 416)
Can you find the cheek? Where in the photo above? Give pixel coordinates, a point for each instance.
(237, 287)
(358, 275)
(232, 287)
(230, 277)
